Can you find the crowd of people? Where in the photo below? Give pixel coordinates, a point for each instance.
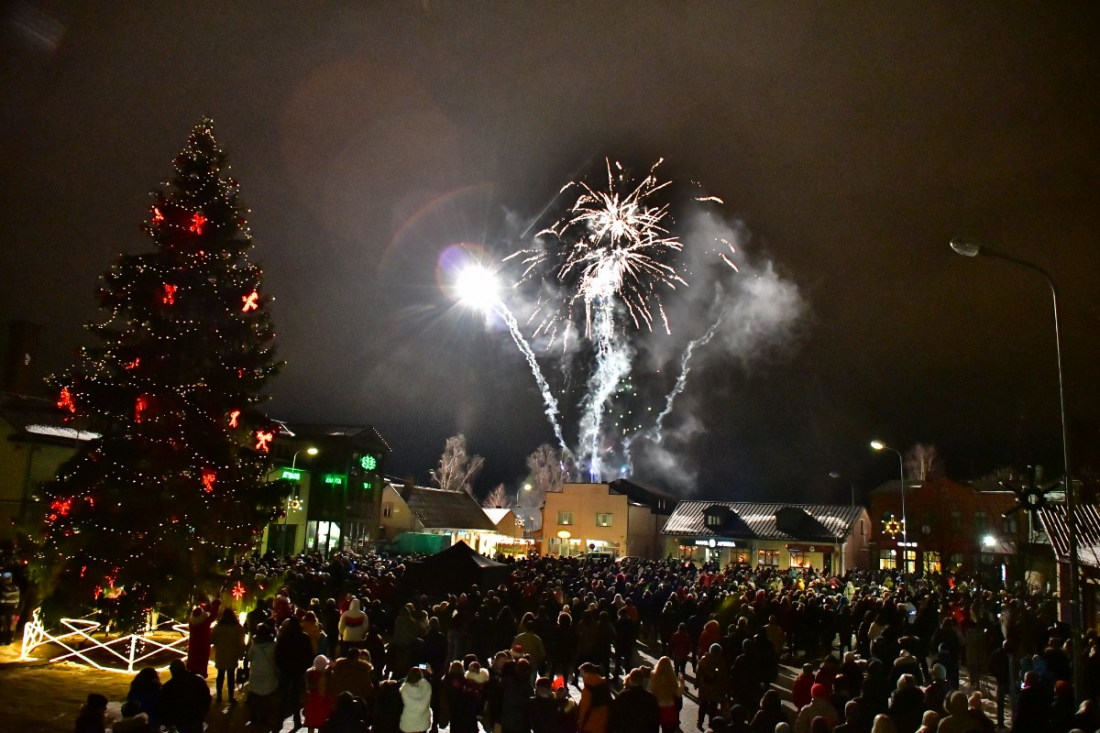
(880, 653)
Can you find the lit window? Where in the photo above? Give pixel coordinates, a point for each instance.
(713, 520)
(931, 561)
(387, 509)
(768, 557)
(603, 520)
(565, 518)
(799, 560)
(887, 560)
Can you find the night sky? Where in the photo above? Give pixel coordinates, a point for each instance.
(850, 142)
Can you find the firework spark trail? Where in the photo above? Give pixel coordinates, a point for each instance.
(681, 381)
(544, 387)
(613, 362)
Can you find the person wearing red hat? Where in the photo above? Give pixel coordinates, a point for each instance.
(819, 706)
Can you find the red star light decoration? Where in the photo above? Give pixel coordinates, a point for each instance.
(263, 439)
(169, 297)
(65, 400)
(209, 475)
(133, 364)
(250, 302)
(233, 418)
(198, 221)
(140, 404)
(157, 216)
(238, 591)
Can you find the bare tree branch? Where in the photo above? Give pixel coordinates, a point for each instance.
(457, 469)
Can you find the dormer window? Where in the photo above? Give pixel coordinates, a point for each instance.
(713, 520)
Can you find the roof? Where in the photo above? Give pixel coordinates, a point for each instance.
(360, 434)
(891, 487)
(39, 419)
(758, 521)
(439, 509)
(495, 514)
(1053, 517)
(656, 500)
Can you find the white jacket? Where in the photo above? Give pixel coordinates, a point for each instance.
(354, 623)
(417, 714)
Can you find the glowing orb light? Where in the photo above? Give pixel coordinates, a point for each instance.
(476, 286)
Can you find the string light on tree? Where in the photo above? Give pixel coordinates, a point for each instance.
(238, 592)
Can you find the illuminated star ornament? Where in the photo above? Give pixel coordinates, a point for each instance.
(263, 440)
(198, 221)
(250, 302)
(892, 526)
(209, 475)
(140, 405)
(233, 416)
(238, 591)
(157, 216)
(65, 400)
(169, 297)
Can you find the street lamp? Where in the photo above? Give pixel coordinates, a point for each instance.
(970, 248)
(311, 451)
(851, 484)
(880, 446)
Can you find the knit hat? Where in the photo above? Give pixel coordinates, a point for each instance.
(819, 690)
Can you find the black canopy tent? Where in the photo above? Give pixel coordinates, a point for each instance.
(453, 570)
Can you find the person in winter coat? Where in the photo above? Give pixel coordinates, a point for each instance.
(228, 640)
(184, 699)
(293, 656)
(530, 642)
(679, 647)
(353, 627)
(460, 700)
(353, 674)
(198, 643)
(635, 709)
(416, 700)
(349, 715)
(800, 692)
(668, 687)
(974, 707)
(819, 707)
(562, 650)
(958, 718)
(319, 700)
(145, 690)
(516, 692)
(711, 634)
(93, 715)
(133, 720)
(595, 700)
(770, 714)
(712, 681)
(263, 682)
(388, 708)
(935, 695)
(907, 705)
(313, 630)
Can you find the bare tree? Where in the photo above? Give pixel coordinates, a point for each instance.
(498, 498)
(546, 474)
(922, 463)
(457, 469)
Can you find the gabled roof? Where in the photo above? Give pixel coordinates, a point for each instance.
(495, 514)
(828, 522)
(1053, 517)
(364, 435)
(37, 419)
(439, 509)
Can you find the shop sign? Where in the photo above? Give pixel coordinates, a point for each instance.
(715, 543)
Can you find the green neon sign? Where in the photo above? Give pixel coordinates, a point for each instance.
(369, 463)
(291, 475)
(334, 479)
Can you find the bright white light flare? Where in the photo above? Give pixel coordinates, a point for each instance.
(476, 286)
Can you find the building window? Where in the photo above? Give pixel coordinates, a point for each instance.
(956, 521)
(800, 559)
(768, 557)
(928, 524)
(565, 518)
(713, 520)
(862, 529)
(1008, 524)
(932, 562)
(603, 520)
(956, 560)
(887, 560)
(980, 519)
(387, 509)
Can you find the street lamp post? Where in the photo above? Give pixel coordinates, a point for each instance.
(851, 484)
(311, 451)
(880, 446)
(970, 248)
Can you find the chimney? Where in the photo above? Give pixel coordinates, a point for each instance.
(19, 363)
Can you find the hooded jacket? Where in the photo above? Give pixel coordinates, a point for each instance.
(416, 715)
(354, 623)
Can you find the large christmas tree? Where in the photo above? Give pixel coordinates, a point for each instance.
(146, 515)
